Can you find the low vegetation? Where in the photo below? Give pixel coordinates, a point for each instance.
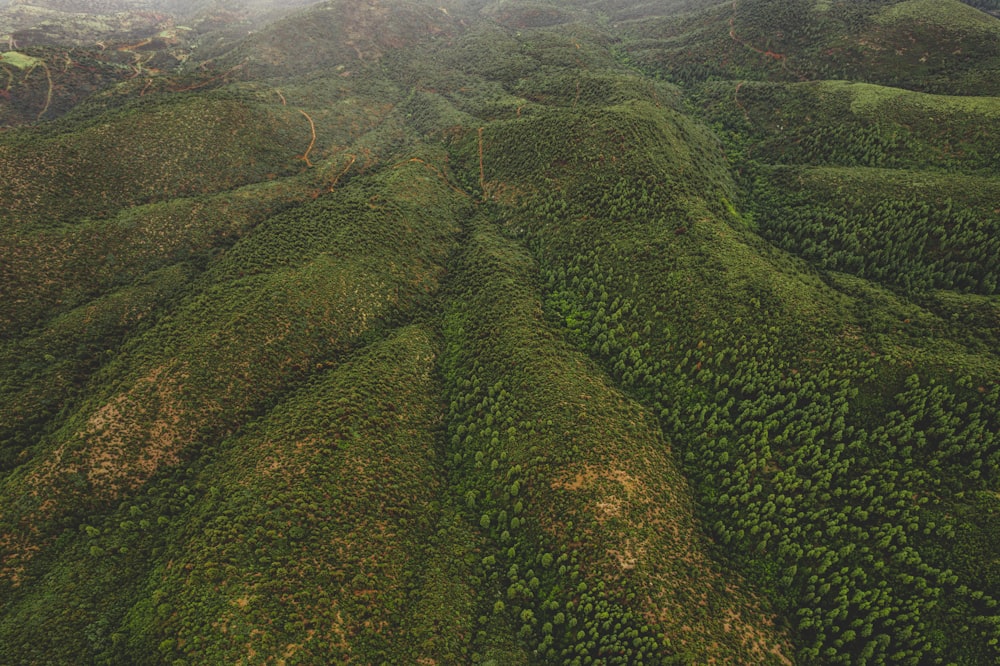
(598, 333)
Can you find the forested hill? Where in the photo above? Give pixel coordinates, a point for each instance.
(517, 332)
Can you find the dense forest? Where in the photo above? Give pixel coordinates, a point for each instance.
(521, 332)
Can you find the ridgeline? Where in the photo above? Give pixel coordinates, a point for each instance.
(520, 332)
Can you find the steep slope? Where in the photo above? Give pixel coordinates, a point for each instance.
(173, 394)
(548, 451)
(323, 521)
(779, 398)
(923, 223)
(435, 333)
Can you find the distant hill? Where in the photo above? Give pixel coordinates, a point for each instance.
(941, 47)
(512, 332)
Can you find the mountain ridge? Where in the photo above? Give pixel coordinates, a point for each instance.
(517, 333)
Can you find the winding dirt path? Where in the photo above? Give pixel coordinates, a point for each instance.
(312, 128)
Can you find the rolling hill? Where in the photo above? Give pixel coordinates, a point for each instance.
(526, 332)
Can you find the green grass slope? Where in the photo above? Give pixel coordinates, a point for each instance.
(325, 522)
(587, 518)
(786, 390)
(336, 527)
(269, 326)
(777, 410)
(943, 47)
(172, 147)
(459, 334)
(841, 123)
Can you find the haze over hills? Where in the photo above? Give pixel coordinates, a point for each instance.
(519, 332)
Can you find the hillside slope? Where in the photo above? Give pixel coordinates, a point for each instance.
(524, 333)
